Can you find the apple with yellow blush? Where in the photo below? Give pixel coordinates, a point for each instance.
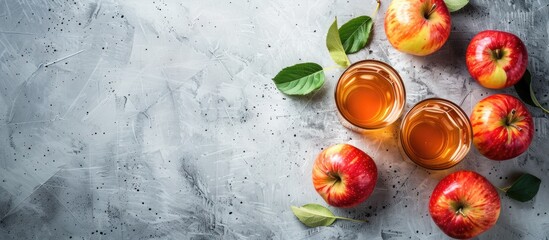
(464, 204)
(502, 127)
(418, 27)
(496, 59)
(344, 175)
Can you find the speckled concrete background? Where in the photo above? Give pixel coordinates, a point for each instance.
(159, 120)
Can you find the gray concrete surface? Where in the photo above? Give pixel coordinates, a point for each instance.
(159, 120)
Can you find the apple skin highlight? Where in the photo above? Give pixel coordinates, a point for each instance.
(417, 27)
(502, 127)
(344, 175)
(464, 204)
(496, 59)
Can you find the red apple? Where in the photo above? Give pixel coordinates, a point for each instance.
(418, 27)
(344, 175)
(496, 59)
(464, 204)
(502, 127)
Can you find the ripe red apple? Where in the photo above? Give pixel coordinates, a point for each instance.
(464, 204)
(496, 59)
(418, 27)
(502, 127)
(344, 175)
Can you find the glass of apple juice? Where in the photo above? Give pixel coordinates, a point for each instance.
(369, 95)
(435, 134)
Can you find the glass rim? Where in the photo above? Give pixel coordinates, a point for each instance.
(398, 79)
(462, 115)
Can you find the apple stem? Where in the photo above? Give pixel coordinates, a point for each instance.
(336, 177)
(431, 11)
(498, 54)
(460, 212)
(510, 121)
(515, 126)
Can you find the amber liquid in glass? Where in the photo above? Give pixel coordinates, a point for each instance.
(370, 95)
(436, 134)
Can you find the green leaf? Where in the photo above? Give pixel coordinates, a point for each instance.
(315, 215)
(525, 188)
(355, 33)
(333, 42)
(523, 88)
(300, 79)
(454, 5)
(526, 93)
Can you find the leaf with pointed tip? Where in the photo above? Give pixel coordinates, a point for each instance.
(335, 47)
(526, 93)
(524, 188)
(355, 33)
(523, 88)
(316, 215)
(300, 79)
